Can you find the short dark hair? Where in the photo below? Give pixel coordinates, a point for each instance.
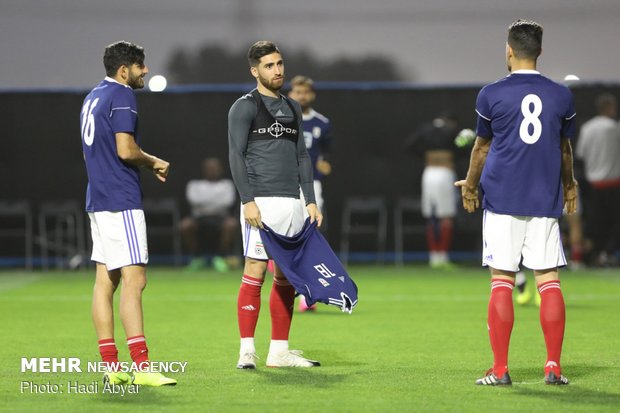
(260, 49)
(122, 53)
(525, 39)
(300, 80)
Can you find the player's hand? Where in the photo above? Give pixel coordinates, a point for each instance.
(323, 167)
(315, 214)
(570, 197)
(469, 195)
(251, 213)
(161, 169)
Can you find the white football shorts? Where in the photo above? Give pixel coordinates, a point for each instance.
(119, 238)
(318, 196)
(439, 195)
(284, 215)
(507, 239)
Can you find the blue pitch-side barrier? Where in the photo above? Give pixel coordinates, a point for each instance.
(409, 257)
(168, 260)
(335, 85)
(247, 86)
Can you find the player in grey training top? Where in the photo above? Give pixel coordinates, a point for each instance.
(264, 162)
(269, 162)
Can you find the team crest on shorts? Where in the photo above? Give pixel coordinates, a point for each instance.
(259, 249)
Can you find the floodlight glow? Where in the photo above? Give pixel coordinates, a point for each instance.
(571, 78)
(157, 83)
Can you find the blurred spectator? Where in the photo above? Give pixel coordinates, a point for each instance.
(211, 200)
(438, 142)
(599, 149)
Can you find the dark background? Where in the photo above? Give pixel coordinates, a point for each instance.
(41, 158)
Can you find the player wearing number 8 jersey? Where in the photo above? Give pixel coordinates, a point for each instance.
(109, 125)
(522, 161)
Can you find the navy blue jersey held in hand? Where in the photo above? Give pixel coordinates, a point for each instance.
(311, 267)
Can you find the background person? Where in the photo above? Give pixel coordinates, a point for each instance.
(211, 200)
(435, 142)
(318, 138)
(599, 149)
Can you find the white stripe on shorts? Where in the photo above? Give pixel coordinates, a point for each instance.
(130, 239)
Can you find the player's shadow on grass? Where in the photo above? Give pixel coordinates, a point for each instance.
(572, 394)
(325, 313)
(575, 372)
(306, 376)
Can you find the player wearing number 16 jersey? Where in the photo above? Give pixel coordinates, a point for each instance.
(522, 161)
(109, 126)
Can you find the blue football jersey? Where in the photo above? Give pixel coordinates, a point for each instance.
(526, 115)
(112, 184)
(311, 266)
(317, 136)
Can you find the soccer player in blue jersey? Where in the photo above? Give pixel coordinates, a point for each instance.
(318, 138)
(522, 164)
(110, 141)
(317, 133)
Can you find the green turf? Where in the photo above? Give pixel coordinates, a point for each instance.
(416, 342)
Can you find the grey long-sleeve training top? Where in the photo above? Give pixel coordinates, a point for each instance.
(268, 167)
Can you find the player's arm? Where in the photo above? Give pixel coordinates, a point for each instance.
(469, 185)
(568, 179)
(239, 123)
(323, 164)
(128, 151)
(306, 176)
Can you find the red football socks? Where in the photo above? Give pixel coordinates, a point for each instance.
(281, 303)
(552, 320)
(500, 322)
(109, 352)
(576, 254)
(137, 349)
(248, 305)
(431, 238)
(445, 235)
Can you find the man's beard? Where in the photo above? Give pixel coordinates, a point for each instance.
(135, 82)
(274, 85)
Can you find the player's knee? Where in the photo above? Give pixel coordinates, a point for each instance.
(135, 282)
(104, 288)
(137, 286)
(543, 276)
(255, 268)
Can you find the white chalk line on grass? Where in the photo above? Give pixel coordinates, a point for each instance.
(12, 282)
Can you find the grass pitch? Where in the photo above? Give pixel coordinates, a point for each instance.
(415, 343)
